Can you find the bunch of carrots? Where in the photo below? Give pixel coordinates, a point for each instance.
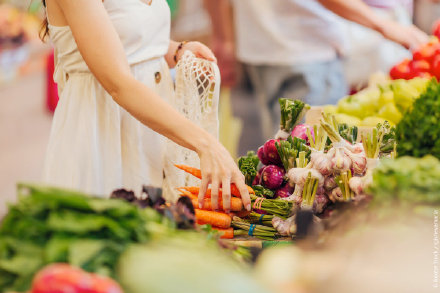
(221, 221)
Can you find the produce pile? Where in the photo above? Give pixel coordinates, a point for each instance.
(238, 222)
(425, 60)
(109, 237)
(407, 179)
(387, 100)
(309, 170)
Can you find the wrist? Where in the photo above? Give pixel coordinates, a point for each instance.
(203, 143)
(179, 51)
(380, 25)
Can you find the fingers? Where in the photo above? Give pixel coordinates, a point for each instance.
(204, 52)
(202, 191)
(226, 194)
(244, 192)
(214, 193)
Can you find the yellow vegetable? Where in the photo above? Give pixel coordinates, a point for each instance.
(391, 113)
(350, 120)
(330, 109)
(372, 121)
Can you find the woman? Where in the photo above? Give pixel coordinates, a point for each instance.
(112, 60)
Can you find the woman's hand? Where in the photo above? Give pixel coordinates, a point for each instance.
(409, 37)
(198, 49)
(219, 169)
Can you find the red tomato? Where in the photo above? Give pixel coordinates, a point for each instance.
(63, 278)
(417, 66)
(401, 70)
(436, 67)
(427, 51)
(436, 29)
(423, 75)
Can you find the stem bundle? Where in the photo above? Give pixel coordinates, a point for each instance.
(259, 231)
(320, 138)
(372, 142)
(343, 182)
(309, 190)
(278, 207)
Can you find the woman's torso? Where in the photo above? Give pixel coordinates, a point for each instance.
(143, 29)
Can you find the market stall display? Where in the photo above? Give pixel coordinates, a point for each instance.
(386, 100)
(124, 238)
(375, 149)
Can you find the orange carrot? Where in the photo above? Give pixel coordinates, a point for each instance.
(197, 173)
(236, 203)
(215, 219)
(195, 190)
(187, 193)
(190, 170)
(225, 233)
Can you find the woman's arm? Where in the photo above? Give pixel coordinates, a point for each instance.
(102, 50)
(358, 11)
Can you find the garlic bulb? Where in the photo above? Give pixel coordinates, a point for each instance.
(336, 195)
(284, 227)
(321, 162)
(356, 184)
(340, 161)
(320, 203)
(330, 183)
(358, 160)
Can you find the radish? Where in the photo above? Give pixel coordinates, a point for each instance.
(284, 191)
(272, 177)
(271, 152)
(262, 156)
(300, 131)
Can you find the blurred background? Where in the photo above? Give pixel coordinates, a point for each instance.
(28, 96)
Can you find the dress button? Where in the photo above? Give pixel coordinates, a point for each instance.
(157, 77)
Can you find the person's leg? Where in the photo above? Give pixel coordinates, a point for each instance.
(266, 82)
(323, 83)
(337, 86)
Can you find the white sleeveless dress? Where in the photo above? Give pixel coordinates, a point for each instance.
(95, 145)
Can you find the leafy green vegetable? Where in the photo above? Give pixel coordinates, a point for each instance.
(57, 225)
(292, 112)
(349, 133)
(418, 133)
(389, 137)
(248, 166)
(409, 179)
(289, 149)
(263, 192)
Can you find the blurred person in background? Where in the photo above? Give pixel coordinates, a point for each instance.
(114, 82)
(368, 52)
(293, 48)
(426, 12)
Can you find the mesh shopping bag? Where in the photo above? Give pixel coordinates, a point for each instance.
(196, 97)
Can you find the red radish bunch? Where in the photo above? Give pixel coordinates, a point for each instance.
(425, 62)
